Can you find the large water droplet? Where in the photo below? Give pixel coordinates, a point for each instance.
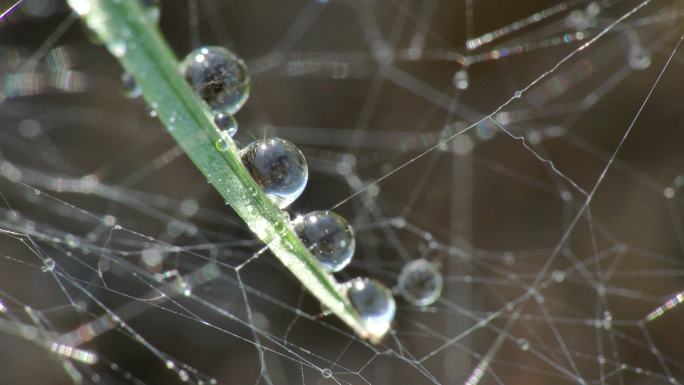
(218, 76)
(329, 238)
(420, 282)
(278, 167)
(374, 303)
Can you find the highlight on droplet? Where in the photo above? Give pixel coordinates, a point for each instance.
(80, 355)
(667, 306)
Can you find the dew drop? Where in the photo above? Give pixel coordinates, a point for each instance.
(226, 123)
(152, 110)
(327, 373)
(130, 88)
(280, 227)
(219, 77)
(82, 7)
(558, 276)
(420, 282)
(639, 58)
(152, 9)
(223, 142)
(374, 303)
(523, 344)
(461, 80)
(183, 375)
(117, 48)
(48, 265)
(278, 167)
(329, 238)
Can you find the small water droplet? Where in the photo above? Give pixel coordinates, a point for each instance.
(558, 276)
(152, 9)
(152, 110)
(420, 282)
(226, 123)
(48, 265)
(130, 88)
(639, 58)
(223, 142)
(117, 48)
(461, 80)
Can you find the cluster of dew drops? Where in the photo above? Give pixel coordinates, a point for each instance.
(220, 78)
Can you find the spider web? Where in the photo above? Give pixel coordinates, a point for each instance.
(532, 151)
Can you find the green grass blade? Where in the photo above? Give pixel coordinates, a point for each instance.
(137, 43)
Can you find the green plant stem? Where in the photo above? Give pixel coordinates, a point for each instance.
(137, 43)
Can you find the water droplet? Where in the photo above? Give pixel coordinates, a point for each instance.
(82, 7)
(669, 192)
(639, 58)
(374, 303)
(461, 80)
(219, 77)
(117, 48)
(558, 276)
(223, 142)
(280, 227)
(152, 110)
(130, 87)
(420, 282)
(226, 123)
(72, 241)
(327, 373)
(523, 344)
(329, 238)
(152, 257)
(278, 167)
(152, 9)
(48, 265)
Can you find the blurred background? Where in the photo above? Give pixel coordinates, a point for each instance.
(555, 217)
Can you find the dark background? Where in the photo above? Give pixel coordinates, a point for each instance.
(339, 80)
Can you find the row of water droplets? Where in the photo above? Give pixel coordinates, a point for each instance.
(220, 78)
